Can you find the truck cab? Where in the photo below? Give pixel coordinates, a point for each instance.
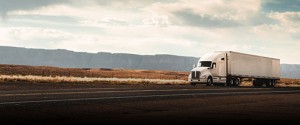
(211, 68)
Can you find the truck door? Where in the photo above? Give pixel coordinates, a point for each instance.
(214, 69)
(222, 67)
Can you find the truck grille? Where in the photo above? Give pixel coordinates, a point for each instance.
(195, 74)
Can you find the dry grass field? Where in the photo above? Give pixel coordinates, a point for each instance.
(44, 74)
(90, 73)
(285, 82)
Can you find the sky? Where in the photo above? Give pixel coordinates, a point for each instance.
(147, 27)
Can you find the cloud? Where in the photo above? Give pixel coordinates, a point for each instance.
(213, 13)
(7, 6)
(132, 40)
(284, 24)
(97, 15)
(191, 19)
(34, 37)
(286, 18)
(12, 5)
(157, 20)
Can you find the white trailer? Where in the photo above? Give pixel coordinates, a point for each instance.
(232, 67)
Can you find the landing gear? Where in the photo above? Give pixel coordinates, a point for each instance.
(256, 83)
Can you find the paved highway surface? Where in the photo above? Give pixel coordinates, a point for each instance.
(92, 103)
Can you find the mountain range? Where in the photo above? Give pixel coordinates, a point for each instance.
(71, 59)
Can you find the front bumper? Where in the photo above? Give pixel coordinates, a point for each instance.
(201, 80)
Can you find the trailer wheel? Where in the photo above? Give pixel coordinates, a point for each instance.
(209, 81)
(269, 83)
(273, 82)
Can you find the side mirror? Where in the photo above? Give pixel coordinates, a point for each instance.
(194, 66)
(214, 65)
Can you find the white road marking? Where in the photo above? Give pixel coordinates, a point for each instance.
(146, 96)
(121, 91)
(76, 89)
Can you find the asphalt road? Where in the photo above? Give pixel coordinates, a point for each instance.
(92, 103)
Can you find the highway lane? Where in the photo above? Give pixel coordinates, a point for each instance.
(99, 103)
(61, 95)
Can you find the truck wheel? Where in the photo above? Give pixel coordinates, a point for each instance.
(209, 81)
(273, 82)
(236, 82)
(231, 82)
(269, 83)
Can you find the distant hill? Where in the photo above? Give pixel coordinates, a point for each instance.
(290, 70)
(70, 59)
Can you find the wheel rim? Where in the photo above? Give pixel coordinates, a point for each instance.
(209, 81)
(231, 82)
(272, 83)
(237, 82)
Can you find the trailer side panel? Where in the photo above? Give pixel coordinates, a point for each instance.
(245, 65)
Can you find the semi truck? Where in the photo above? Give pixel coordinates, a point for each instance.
(231, 68)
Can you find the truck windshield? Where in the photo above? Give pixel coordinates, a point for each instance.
(205, 64)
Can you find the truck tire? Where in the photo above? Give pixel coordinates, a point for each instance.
(273, 83)
(269, 83)
(209, 81)
(231, 82)
(237, 82)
